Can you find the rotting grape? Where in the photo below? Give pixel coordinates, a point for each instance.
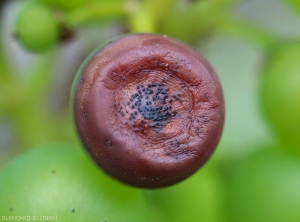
(149, 109)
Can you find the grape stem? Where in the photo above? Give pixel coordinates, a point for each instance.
(4, 67)
(142, 16)
(94, 12)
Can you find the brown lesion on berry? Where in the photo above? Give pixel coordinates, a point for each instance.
(154, 105)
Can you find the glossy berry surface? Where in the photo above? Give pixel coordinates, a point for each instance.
(149, 109)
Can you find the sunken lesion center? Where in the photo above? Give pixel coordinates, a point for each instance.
(151, 105)
(155, 105)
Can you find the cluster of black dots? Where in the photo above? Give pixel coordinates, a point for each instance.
(153, 103)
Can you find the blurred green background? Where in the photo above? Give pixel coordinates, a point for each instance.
(254, 175)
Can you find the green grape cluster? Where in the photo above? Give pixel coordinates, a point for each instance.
(60, 181)
(36, 28)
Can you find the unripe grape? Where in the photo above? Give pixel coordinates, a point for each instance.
(280, 92)
(61, 181)
(36, 28)
(202, 192)
(265, 187)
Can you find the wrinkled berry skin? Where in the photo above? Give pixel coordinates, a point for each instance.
(149, 109)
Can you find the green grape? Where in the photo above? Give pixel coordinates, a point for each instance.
(61, 181)
(36, 28)
(280, 93)
(265, 188)
(197, 199)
